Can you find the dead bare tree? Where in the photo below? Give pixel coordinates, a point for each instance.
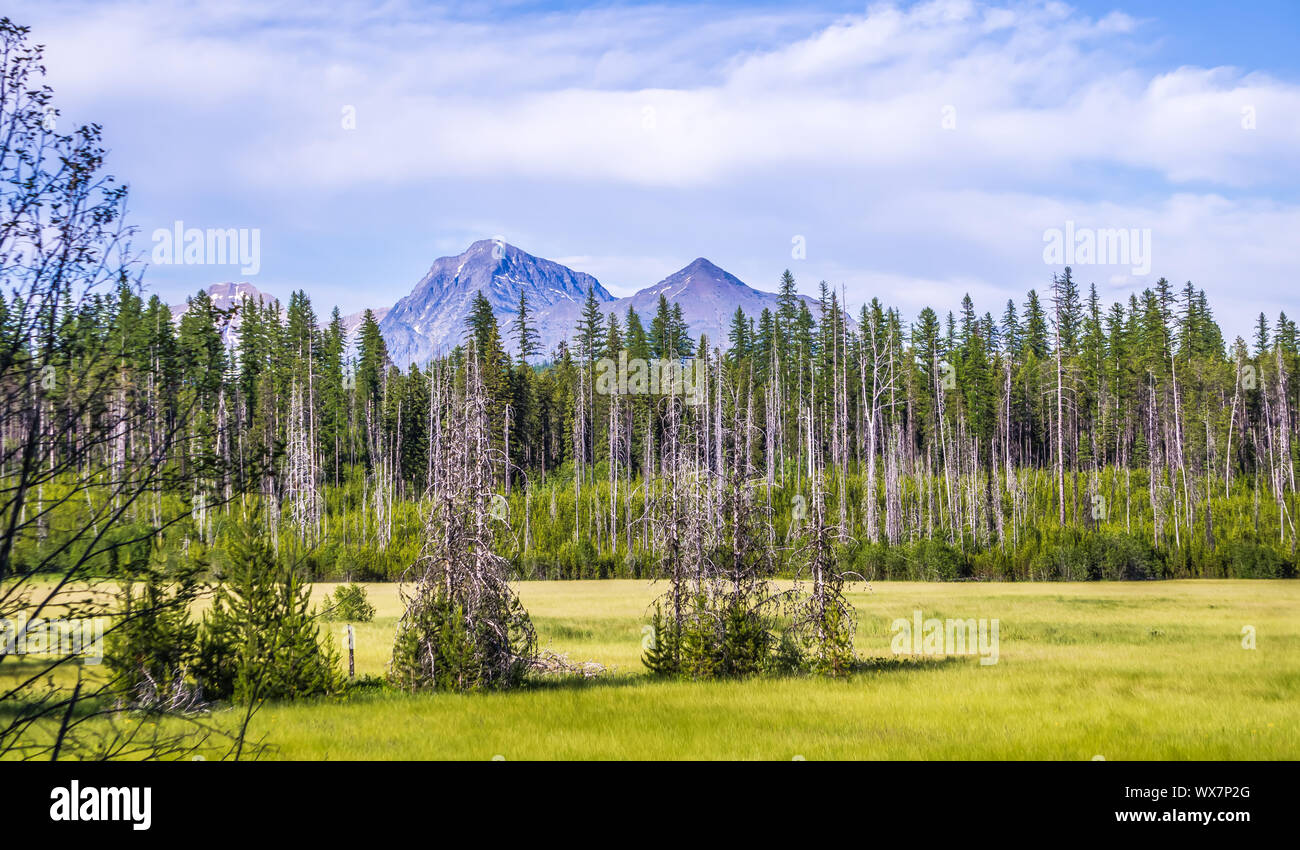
(824, 621)
(302, 493)
(722, 614)
(463, 627)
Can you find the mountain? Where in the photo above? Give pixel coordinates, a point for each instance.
(708, 295)
(225, 296)
(351, 323)
(431, 320)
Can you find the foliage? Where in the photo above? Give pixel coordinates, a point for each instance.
(259, 639)
(350, 604)
(463, 627)
(438, 646)
(727, 638)
(153, 646)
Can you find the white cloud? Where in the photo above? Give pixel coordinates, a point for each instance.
(770, 122)
(1033, 86)
(1038, 96)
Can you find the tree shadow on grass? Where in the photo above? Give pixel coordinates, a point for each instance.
(861, 666)
(903, 663)
(569, 683)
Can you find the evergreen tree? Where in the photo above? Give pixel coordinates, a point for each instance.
(525, 335)
(591, 329)
(1035, 332)
(260, 638)
(738, 336)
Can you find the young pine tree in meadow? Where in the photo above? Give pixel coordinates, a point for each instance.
(260, 639)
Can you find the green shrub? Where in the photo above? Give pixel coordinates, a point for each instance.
(1246, 559)
(935, 559)
(662, 654)
(260, 640)
(349, 604)
(435, 647)
(727, 636)
(153, 645)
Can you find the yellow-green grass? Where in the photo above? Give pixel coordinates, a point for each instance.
(1119, 670)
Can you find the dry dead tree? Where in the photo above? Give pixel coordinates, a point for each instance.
(302, 491)
(824, 622)
(720, 613)
(463, 628)
(548, 663)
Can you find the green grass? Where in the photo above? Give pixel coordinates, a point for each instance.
(1120, 670)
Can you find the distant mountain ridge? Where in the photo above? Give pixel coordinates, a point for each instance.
(430, 321)
(415, 329)
(709, 296)
(225, 296)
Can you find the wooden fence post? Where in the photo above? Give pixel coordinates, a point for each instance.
(352, 665)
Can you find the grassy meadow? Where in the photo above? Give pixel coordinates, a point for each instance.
(1120, 670)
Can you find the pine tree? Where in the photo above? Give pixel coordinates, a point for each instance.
(372, 363)
(591, 329)
(662, 343)
(1261, 335)
(636, 341)
(682, 343)
(525, 335)
(1011, 334)
(738, 336)
(1035, 332)
(260, 638)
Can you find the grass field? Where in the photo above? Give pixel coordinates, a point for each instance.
(1119, 670)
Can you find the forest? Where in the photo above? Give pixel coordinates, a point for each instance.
(1064, 439)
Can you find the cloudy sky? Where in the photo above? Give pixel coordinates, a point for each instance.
(917, 151)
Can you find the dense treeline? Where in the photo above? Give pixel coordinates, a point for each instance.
(1064, 439)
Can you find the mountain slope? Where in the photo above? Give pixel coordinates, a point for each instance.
(352, 321)
(225, 296)
(431, 320)
(708, 295)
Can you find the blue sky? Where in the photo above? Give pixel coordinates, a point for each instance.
(918, 150)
